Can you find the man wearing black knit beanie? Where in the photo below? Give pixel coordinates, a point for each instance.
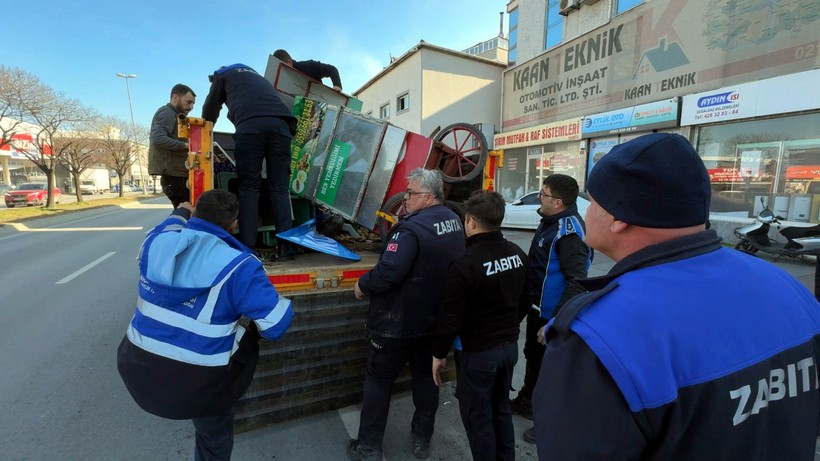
(685, 350)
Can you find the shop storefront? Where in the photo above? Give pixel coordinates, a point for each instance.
(657, 54)
(531, 154)
(606, 130)
(760, 142)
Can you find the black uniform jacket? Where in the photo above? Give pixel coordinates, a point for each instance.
(486, 296)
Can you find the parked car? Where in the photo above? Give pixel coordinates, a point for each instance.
(522, 213)
(29, 194)
(125, 188)
(5, 188)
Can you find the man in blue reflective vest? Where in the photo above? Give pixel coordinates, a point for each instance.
(186, 355)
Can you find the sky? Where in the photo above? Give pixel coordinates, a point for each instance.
(78, 46)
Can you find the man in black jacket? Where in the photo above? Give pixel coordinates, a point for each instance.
(264, 128)
(406, 288)
(313, 69)
(166, 152)
(486, 297)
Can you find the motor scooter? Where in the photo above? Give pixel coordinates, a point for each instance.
(754, 237)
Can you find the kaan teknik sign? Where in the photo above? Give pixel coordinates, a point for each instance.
(661, 50)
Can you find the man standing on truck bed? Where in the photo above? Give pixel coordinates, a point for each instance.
(264, 128)
(313, 69)
(186, 355)
(406, 288)
(166, 152)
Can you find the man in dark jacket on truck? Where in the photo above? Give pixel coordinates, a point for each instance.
(486, 296)
(313, 69)
(406, 288)
(166, 152)
(264, 128)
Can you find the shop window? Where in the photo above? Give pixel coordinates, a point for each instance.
(776, 160)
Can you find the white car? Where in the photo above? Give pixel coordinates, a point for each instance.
(522, 213)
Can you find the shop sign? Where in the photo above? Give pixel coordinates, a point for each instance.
(598, 148)
(567, 130)
(787, 93)
(645, 117)
(661, 50)
(724, 175)
(22, 146)
(803, 172)
(511, 163)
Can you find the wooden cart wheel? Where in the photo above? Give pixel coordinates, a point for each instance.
(463, 152)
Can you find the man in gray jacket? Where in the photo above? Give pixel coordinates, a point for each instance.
(166, 152)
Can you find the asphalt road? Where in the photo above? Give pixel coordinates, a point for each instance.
(68, 291)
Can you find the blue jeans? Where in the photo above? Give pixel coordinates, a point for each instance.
(250, 150)
(384, 363)
(483, 393)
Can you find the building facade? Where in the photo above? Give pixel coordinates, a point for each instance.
(739, 79)
(431, 87)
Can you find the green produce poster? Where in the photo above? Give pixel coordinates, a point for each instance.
(333, 172)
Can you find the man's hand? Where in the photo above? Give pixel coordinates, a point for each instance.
(540, 336)
(358, 291)
(339, 89)
(187, 206)
(438, 364)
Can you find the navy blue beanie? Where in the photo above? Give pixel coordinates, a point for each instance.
(657, 181)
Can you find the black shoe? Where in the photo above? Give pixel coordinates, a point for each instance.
(522, 405)
(421, 447)
(529, 435)
(286, 253)
(356, 451)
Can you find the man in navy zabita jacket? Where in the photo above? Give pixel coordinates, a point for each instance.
(686, 350)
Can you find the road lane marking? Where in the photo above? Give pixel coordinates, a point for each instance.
(87, 267)
(23, 228)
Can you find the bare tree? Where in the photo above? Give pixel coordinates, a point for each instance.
(20, 93)
(80, 149)
(57, 113)
(122, 145)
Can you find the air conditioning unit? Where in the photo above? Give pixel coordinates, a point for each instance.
(588, 2)
(566, 6)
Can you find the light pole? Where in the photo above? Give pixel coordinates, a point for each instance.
(144, 185)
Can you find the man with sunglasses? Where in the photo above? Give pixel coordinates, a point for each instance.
(558, 257)
(406, 289)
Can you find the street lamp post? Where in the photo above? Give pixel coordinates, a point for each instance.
(144, 185)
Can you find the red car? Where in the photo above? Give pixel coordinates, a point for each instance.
(30, 194)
